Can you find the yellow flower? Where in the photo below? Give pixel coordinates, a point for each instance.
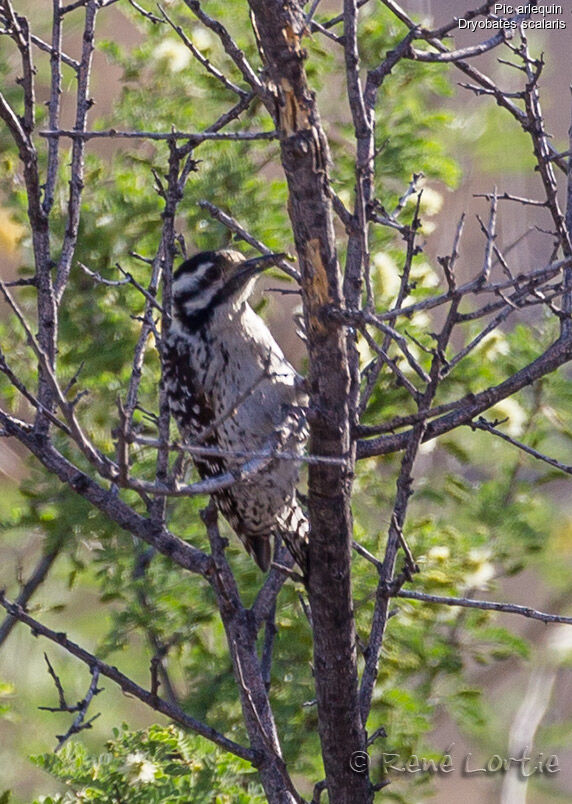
(10, 232)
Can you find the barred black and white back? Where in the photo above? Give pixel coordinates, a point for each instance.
(230, 387)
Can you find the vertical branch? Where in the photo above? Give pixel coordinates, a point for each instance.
(374, 370)
(305, 159)
(54, 106)
(83, 104)
(166, 254)
(270, 632)
(566, 323)
(541, 145)
(357, 262)
(240, 629)
(21, 35)
(395, 536)
(490, 232)
(22, 131)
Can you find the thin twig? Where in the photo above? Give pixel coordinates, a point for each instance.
(483, 605)
(36, 579)
(242, 93)
(127, 685)
(194, 138)
(488, 427)
(230, 47)
(232, 224)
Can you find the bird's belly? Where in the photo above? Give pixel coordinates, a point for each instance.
(250, 404)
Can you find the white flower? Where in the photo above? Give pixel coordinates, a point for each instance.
(559, 642)
(427, 447)
(387, 273)
(438, 552)
(431, 201)
(515, 413)
(482, 568)
(139, 769)
(174, 53)
(493, 345)
(420, 320)
(423, 274)
(202, 38)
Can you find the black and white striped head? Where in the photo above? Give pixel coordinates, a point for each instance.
(211, 279)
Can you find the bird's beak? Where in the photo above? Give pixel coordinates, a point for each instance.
(258, 264)
(249, 269)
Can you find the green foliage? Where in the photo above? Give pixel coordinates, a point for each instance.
(152, 766)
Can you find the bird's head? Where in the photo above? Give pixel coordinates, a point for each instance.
(214, 278)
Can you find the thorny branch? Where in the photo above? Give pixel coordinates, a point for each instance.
(126, 684)
(79, 722)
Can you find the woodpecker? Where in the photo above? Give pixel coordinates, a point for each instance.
(230, 387)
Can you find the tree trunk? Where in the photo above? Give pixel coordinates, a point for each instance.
(305, 159)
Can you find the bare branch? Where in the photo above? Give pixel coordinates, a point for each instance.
(182, 553)
(542, 150)
(192, 138)
(147, 14)
(54, 105)
(242, 93)
(36, 579)
(470, 406)
(241, 638)
(490, 233)
(230, 46)
(127, 685)
(448, 263)
(463, 53)
(232, 224)
(46, 48)
(29, 396)
(255, 461)
(79, 723)
(566, 326)
(489, 427)
(83, 104)
(509, 197)
(474, 286)
(340, 18)
(103, 464)
(270, 632)
(395, 538)
(266, 597)
(483, 605)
